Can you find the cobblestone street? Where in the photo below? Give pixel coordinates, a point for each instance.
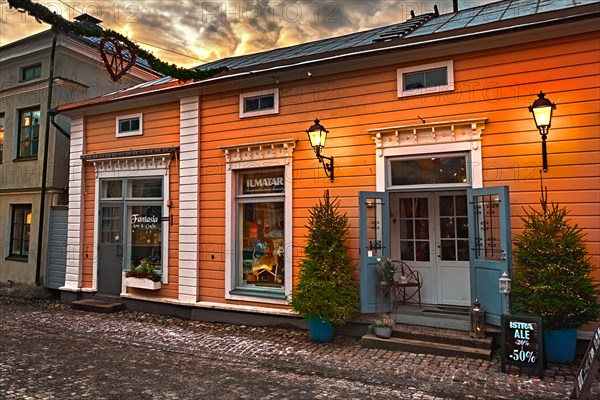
(49, 351)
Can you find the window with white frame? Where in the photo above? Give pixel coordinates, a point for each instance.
(258, 222)
(259, 103)
(260, 227)
(129, 125)
(426, 79)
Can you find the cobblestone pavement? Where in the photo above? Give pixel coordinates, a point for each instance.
(49, 351)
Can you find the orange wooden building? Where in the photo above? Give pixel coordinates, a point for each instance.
(432, 140)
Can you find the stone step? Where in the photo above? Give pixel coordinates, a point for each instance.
(427, 347)
(99, 306)
(446, 336)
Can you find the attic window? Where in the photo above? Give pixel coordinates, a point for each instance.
(425, 79)
(129, 125)
(30, 73)
(259, 103)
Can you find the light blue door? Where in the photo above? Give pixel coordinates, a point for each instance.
(374, 242)
(490, 247)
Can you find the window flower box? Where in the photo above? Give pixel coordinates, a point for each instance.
(142, 283)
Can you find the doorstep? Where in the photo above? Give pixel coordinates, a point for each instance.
(99, 306)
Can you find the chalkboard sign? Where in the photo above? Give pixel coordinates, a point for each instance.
(522, 342)
(588, 368)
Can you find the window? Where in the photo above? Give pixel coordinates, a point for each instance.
(260, 220)
(33, 72)
(2, 122)
(29, 133)
(425, 79)
(129, 125)
(429, 170)
(259, 103)
(19, 232)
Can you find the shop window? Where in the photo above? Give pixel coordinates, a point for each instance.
(2, 122)
(32, 72)
(28, 135)
(425, 79)
(260, 209)
(19, 232)
(259, 103)
(429, 170)
(129, 125)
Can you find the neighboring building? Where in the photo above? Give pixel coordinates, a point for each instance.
(430, 130)
(78, 74)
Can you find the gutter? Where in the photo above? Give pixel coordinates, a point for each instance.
(38, 263)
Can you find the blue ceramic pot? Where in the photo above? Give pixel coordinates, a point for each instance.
(320, 330)
(560, 345)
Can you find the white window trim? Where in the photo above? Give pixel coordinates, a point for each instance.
(421, 91)
(257, 155)
(411, 140)
(130, 133)
(117, 168)
(275, 110)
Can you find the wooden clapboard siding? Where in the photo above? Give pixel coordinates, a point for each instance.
(498, 85)
(160, 126)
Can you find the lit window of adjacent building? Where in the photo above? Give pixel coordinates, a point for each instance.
(129, 125)
(426, 79)
(32, 72)
(28, 135)
(259, 103)
(19, 232)
(2, 122)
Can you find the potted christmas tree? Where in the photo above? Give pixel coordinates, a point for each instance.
(326, 292)
(552, 279)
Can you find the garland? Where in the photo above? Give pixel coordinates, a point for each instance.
(59, 24)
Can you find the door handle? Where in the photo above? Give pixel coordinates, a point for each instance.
(502, 255)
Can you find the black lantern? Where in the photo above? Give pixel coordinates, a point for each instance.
(477, 319)
(542, 115)
(317, 134)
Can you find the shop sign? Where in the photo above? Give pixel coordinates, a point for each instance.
(522, 342)
(144, 222)
(588, 368)
(263, 182)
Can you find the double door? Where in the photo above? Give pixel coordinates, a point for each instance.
(430, 233)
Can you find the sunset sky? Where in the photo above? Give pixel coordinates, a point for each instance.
(203, 31)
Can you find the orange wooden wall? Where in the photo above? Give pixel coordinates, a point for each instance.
(497, 84)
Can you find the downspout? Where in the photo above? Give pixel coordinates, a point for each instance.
(53, 112)
(38, 265)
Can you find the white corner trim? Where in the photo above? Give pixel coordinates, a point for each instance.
(73, 275)
(274, 110)
(449, 65)
(189, 142)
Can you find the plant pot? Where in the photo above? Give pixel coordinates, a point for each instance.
(383, 332)
(320, 330)
(142, 283)
(560, 345)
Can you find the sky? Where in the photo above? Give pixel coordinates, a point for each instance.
(192, 32)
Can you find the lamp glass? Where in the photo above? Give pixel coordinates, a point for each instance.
(542, 116)
(317, 138)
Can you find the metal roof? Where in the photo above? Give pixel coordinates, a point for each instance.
(357, 39)
(493, 12)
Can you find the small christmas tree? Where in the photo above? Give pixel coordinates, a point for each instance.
(326, 287)
(552, 272)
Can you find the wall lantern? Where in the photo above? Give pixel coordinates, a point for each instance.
(505, 283)
(542, 115)
(317, 134)
(477, 318)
